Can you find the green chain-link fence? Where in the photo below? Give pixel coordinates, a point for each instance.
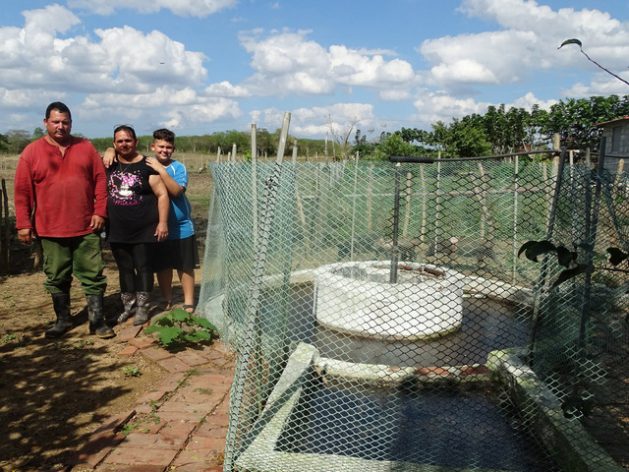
(383, 319)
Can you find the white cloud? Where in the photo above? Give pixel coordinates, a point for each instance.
(287, 62)
(142, 60)
(195, 8)
(526, 41)
(35, 57)
(529, 99)
(335, 120)
(226, 89)
(602, 84)
(165, 106)
(432, 107)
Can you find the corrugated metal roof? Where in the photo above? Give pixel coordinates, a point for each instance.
(615, 120)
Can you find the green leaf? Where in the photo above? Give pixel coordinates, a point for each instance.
(570, 273)
(168, 335)
(571, 41)
(204, 323)
(616, 256)
(533, 249)
(152, 329)
(565, 257)
(179, 315)
(198, 336)
(164, 321)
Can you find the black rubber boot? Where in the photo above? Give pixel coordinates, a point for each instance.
(142, 309)
(96, 318)
(61, 305)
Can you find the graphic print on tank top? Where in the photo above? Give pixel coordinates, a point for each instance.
(125, 187)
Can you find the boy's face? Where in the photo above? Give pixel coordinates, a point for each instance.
(163, 150)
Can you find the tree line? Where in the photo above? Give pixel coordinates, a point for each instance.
(500, 130)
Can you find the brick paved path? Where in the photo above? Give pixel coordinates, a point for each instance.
(178, 426)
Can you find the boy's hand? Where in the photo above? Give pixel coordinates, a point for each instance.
(154, 164)
(109, 157)
(161, 232)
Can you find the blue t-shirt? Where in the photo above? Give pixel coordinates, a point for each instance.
(180, 224)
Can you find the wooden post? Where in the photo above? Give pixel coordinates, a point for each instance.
(423, 193)
(254, 143)
(353, 235)
(369, 198)
(514, 247)
(408, 191)
(4, 230)
(254, 187)
(233, 154)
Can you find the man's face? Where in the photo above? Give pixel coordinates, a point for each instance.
(58, 125)
(163, 150)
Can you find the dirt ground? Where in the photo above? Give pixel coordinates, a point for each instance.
(55, 393)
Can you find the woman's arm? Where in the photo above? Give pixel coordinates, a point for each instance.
(163, 204)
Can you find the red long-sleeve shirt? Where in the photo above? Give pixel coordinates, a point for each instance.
(63, 191)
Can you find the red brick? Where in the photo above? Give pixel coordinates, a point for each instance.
(155, 353)
(433, 371)
(142, 342)
(97, 448)
(197, 396)
(128, 351)
(205, 443)
(208, 430)
(181, 416)
(178, 429)
(217, 419)
(114, 422)
(183, 407)
(192, 459)
(154, 396)
(192, 358)
(141, 440)
(172, 364)
(173, 381)
(141, 456)
(127, 332)
(474, 370)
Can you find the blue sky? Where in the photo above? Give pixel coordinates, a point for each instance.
(200, 66)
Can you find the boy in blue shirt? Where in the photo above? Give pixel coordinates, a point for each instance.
(179, 252)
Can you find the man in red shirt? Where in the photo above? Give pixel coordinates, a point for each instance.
(61, 198)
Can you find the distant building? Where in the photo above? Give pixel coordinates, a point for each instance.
(616, 133)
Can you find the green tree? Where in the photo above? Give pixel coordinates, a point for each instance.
(393, 145)
(37, 133)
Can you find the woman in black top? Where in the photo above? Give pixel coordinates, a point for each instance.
(137, 204)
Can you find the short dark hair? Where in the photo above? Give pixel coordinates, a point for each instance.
(127, 128)
(164, 135)
(60, 107)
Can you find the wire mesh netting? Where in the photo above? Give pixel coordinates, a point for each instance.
(383, 320)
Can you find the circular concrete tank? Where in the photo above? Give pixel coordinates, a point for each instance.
(357, 298)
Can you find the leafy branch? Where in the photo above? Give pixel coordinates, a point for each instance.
(567, 258)
(578, 43)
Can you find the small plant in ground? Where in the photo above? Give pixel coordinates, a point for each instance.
(131, 371)
(7, 338)
(129, 428)
(180, 328)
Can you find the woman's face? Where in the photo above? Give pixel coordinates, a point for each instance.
(125, 144)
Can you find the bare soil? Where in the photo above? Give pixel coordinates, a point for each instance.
(56, 392)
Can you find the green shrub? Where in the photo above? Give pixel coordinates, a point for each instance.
(178, 328)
